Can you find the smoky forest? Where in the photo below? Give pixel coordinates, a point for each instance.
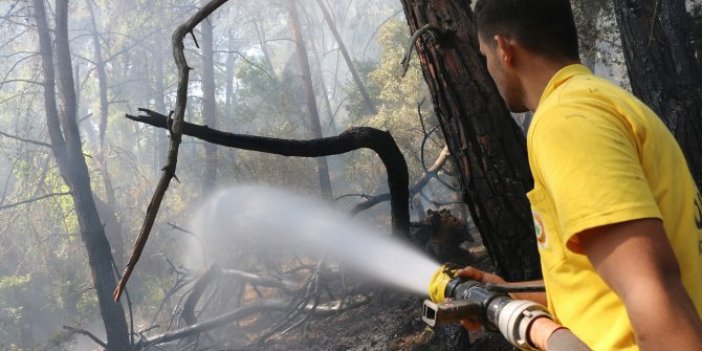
(278, 174)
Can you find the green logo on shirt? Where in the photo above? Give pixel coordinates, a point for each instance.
(698, 215)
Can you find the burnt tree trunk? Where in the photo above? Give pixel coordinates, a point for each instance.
(323, 167)
(66, 147)
(486, 143)
(657, 41)
(209, 105)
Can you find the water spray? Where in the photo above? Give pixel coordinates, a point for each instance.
(453, 299)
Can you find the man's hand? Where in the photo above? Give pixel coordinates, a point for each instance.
(473, 273)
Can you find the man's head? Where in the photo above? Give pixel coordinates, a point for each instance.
(544, 27)
(511, 31)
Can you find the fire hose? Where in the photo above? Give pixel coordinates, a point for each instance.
(454, 299)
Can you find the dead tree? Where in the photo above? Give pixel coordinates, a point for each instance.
(660, 58)
(66, 147)
(485, 142)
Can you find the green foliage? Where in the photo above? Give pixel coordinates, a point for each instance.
(11, 307)
(397, 99)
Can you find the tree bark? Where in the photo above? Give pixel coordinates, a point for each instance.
(657, 41)
(484, 140)
(209, 104)
(66, 146)
(586, 13)
(315, 125)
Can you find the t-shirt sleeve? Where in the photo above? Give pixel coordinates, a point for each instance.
(589, 164)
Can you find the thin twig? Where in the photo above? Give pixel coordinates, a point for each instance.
(432, 29)
(33, 200)
(29, 141)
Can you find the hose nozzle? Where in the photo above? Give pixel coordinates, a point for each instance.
(440, 280)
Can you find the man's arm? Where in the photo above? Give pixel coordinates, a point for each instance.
(636, 261)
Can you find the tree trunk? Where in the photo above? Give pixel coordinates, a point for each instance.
(101, 73)
(586, 13)
(657, 42)
(325, 183)
(66, 146)
(347, 58)
(209, 104)
(114, 230)
(486, 143)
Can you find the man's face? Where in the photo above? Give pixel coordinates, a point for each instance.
(503, 74)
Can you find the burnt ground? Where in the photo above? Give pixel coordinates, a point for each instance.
(390, 321)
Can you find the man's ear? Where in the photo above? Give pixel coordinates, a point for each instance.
(505, 50)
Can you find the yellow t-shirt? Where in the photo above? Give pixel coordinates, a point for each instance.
(599, 156)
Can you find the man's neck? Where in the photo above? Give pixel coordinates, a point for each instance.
(537, 73)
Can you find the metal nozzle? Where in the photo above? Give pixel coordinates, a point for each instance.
(449, 311)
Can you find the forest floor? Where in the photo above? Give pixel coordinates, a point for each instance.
(391, 321)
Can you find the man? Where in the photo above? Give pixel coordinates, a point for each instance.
(614, 204)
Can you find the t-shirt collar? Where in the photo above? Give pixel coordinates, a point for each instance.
(561, 77)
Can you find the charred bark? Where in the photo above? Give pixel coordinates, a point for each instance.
(486, 143)
(657, 41)
(355, 138)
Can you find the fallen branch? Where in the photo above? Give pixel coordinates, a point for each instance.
(24, 140)
(241, 313)
(268, 282)
(176, 132)
(352, 139)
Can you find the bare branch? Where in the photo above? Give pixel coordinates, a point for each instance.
(432, 29)
(29, 141)
(4, 207)
(176, 136)
(352, 139)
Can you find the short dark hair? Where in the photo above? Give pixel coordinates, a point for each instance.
(545, 27)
